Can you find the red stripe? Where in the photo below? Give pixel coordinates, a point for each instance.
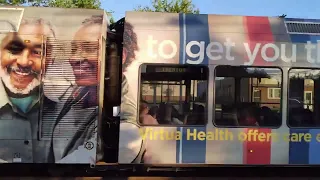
(257, 150)
(259, 31)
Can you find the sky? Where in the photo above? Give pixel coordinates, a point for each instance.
(292, 8)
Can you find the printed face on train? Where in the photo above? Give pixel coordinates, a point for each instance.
(85, 53)
(21, 58)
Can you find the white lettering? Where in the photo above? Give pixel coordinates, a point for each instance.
(264, 52)
(293, 57)
(251, 55)
(215, 51)
(150, 46)
(173, 46)
(228, 45)
(309, 48)
(210, 50)
(199, 55)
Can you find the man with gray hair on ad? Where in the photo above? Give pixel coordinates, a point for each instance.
(21, 55)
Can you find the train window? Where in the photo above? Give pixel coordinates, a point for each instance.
(304, 101)
(247, 96)
(173, 94)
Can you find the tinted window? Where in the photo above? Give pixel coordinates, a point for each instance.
(247, 96)
(303, 102)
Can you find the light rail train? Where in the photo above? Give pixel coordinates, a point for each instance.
(158, 88)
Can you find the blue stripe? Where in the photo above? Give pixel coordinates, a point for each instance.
(193, 28)
(299, 151)
(299, 38)
(314, 147)
(193, 151)
(304, 152)
(303, 38)
(314, 39)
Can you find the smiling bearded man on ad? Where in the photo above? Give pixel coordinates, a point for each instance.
(20, 71)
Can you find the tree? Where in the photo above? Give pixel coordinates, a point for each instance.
(87, 4)
(12, 2)
(171, 6)
(111, 19)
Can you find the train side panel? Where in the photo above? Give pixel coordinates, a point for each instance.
(50, 71)
(213, 40)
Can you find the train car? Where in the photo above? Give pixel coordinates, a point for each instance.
(52, 84)
(171, 89)
(219, 90)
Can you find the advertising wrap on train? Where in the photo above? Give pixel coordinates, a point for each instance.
(158, 51)
(50, 64)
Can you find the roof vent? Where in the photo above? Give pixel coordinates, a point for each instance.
(303, 28)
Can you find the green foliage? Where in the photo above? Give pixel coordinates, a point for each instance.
(88, 4)
(12, 2)
(112, 20)
(170, 6)
(38, 3)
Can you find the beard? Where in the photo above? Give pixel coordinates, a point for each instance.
(6, 79)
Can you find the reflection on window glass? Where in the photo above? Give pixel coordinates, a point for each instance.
(303, 104)
(173, 95)
(256, 95)
(247, 96)
(274, 93)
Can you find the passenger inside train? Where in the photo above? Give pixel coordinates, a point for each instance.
(145, 117)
